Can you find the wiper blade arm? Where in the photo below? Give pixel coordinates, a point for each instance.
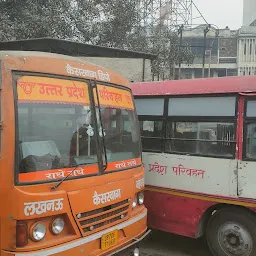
(105, 166)
(61, 181)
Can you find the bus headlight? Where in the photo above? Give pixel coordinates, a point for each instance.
(135, 201)
(38, 231)
(57, 226)
(141, 197)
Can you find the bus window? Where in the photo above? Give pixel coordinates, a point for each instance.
(251, 141)
(251, 130)
(201, 138)
(150, 107)
(206, 138)
(202, 106)
(151, 133)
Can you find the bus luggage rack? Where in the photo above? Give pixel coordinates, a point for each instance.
(96, 219)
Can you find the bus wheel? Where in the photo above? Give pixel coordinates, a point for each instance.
(232, 232)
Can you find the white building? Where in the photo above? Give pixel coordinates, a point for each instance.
(221, 53)
(249, 12)
(246, 56)
(232, 53)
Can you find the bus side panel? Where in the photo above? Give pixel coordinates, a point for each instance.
(167, 174)
(246, 179)
(0, 146)
(205, 175)
(174, 213)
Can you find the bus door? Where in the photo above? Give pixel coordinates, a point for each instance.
(247, 147)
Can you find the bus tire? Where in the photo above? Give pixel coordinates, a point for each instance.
(232, 232)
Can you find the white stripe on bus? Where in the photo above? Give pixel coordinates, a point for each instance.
(84, 240)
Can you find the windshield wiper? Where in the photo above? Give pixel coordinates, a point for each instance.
(60, 182)
(105, 166)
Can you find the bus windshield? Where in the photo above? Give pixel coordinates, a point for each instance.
(46, 133)
(121, 134)
(56, 136)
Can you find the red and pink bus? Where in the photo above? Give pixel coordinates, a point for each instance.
(199, 152)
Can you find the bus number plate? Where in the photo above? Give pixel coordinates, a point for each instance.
(108, 240)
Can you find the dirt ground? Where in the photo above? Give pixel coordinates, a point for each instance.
(165, 244)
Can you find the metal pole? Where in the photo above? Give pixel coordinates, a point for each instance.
(180, 33)
(143, 70)
(77, 140)
(206, 30)
(170, 70)
(210, 60)
(170, 66)
(152, 70)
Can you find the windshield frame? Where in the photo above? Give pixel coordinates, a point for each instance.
(15, 76)
(90, 83)
(137, 122)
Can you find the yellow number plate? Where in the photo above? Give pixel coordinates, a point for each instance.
(108, 240)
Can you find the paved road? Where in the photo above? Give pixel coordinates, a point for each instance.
(165, 244)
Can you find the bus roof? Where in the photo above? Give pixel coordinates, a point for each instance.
(14, 53)
(239, 84)
(33, 54)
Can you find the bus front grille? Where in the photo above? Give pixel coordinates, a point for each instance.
(97, 219)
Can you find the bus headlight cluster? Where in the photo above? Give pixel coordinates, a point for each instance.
(138, 199)
(38, 230)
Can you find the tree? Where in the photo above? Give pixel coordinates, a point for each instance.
(113, 23)
(5, 28)
(105, 22)
(23, 19)
(170, 53)
(165, 44)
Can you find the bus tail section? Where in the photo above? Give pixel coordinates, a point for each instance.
(199, 152)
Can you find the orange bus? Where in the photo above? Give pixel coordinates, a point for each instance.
(71, 174)
(199, 152)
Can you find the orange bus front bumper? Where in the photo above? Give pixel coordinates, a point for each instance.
(89, 246)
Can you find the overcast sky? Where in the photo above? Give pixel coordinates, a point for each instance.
(220, 12)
